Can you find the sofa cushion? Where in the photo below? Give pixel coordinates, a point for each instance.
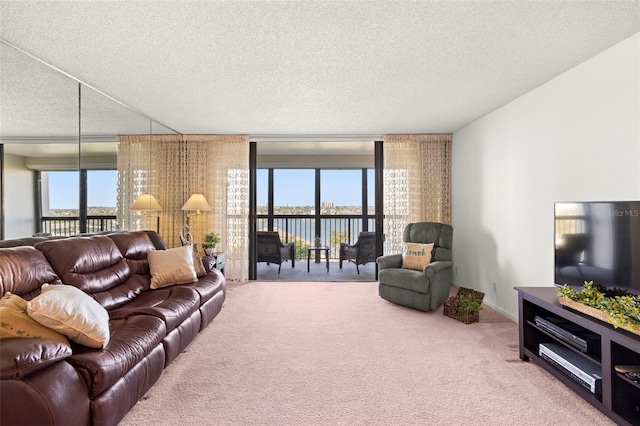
(124, 293)
(23, 270)
(132, 339)
(21, 357)
(17, 323)
(134, 247)
(27, 241)
(92, 264)
(171, 304)
(71, 312)
(208, 285)
(171, 266)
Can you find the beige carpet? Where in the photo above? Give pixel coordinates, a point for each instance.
(334, 353)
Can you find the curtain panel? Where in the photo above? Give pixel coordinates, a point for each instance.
(171, 168)
(417, 183)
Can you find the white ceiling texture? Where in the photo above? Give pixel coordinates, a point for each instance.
(315, 70)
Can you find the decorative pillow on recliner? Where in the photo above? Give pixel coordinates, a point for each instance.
(73, 313)
(17, 323)
(171, 266)
(416, 256)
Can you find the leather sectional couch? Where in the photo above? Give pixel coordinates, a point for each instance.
(46, 382)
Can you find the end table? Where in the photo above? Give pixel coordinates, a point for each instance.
(215, 260)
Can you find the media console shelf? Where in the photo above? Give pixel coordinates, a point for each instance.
(620, 397)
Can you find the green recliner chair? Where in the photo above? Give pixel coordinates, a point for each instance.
(426, 289)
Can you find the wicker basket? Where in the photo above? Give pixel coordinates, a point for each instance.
(455, 313)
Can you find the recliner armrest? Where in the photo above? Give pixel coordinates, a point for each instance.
(21, 356)
(389, 261)
(434, 268)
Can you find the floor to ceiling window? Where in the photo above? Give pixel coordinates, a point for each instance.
(345, 207)
(313, 190)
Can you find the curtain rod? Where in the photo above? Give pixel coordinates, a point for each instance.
(314, 137)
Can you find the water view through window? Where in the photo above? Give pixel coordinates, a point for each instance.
(294, 208)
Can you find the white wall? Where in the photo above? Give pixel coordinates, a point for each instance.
(19, 198)
(577, 137)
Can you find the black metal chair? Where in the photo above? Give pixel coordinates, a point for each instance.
(271, 249)
(363, 251)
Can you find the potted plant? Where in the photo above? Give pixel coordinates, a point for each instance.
(210, 242)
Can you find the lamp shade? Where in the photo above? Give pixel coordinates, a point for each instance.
(146, 202)
(197, 202)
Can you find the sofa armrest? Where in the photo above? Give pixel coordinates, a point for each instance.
(20, 357)
(389, 261)
(434, 268)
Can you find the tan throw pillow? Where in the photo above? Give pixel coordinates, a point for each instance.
(73, 313)
(17, 323)
(416, 256)
(171, 266)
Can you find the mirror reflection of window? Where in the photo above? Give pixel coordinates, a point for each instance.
(60, 197)
(570, 219)
(60, 203)
(102, 194)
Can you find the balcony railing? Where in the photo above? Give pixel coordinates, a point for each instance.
(301, 230)
(297, 228)
(70, 225)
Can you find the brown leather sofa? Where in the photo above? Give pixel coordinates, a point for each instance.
(44, 382)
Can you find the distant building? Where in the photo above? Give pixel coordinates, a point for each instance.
(327, 205)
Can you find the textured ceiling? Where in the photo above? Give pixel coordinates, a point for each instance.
(273, 68)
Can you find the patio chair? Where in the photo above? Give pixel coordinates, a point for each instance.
(271, 249)
(360, 253)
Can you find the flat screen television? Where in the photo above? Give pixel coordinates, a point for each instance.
(599, 242)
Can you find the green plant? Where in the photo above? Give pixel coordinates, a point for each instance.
(338, 237)
(622, 308)
(467, 303)
(210, 240)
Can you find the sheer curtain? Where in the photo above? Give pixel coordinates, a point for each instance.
(417, 183)
(171, 168)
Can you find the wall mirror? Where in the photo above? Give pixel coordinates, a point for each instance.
(39, 116)
(58, 149)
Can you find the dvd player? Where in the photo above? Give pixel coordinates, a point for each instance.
(585, 372)
(576, 336)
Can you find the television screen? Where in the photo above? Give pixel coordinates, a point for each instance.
(599, 242)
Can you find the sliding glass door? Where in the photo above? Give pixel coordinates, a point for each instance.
(335, 202)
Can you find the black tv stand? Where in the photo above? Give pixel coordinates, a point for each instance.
(620, 398)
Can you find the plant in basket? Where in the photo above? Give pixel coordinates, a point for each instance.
(465, 306)
(616, 306)
(467, 303)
